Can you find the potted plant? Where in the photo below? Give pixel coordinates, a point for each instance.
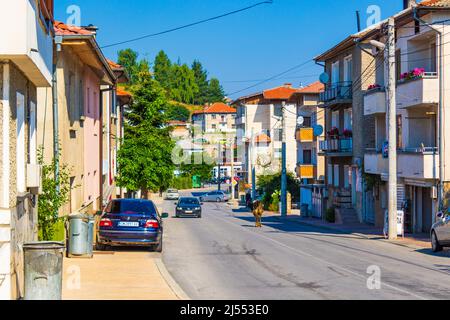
(348, 133)
(333, 133)
(373, 87)
(416, 73)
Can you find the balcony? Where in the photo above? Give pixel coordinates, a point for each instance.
(337, 93)
(423, 90)
(30, 44)
(336, 147)
(412, 163)
(375, 101)
(306, 171)
(305, 135)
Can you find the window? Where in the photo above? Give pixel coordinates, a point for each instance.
(131, 207)
(307, 157)
(278, 153)
(433, 57)
(307, 123)
(278, 111)
(399, 132)
(348, 119)
(80, 98)
(336, 175)
(348, 69)
(214, 116)
(330, 174)
(88, 100)
(214, 126)
(335, 72)
(335, 119)
(222, 119)
(347, 176)
(32, 134)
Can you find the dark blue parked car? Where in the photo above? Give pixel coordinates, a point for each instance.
(131, 222)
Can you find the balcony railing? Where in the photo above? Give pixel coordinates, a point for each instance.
(342, 145)
(422, 90)
(337, 92)
(306, 171)
(305, 135)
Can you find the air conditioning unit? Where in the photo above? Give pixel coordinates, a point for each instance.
(34, 177)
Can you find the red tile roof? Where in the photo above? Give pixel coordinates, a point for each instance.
(280, 93)
(218, 107)
(114, 65)
(122, 93)
(176, 123)
(63, 29)
(315, 87)
(263, 138)
(435, 3)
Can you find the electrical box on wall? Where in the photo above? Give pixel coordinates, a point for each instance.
(434, 193)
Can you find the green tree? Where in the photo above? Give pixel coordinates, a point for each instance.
(193, 167)
(178, 112)
(128, 58)
(215, 91)
(201, 79)
(162, 69)
(183, 86)
(144, 160)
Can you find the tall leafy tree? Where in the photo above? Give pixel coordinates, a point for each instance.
(144, 160)
(162, 69)
(128, 58)
(215, 91)
(203, 168)
(183, 86)
(178, 112)
(201, 79)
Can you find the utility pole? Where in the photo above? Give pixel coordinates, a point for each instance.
(392, 130)
(219, 159)
(233, 196)
(252, 167)
(283, 163)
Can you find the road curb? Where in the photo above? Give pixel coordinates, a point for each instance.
(360, 235)
(171, 281)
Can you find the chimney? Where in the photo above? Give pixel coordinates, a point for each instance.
(288, 85)
(409, 4)
(91, 28)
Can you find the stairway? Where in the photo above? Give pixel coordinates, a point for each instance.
(345, 214)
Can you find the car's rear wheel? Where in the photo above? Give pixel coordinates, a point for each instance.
(436, 246)
(158, 247)
(100, 246)
(218, 200)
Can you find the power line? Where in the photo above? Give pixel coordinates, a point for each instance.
(189, 25)
(273, 77)
(285, 78)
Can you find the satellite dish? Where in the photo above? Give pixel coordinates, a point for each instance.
(318, 130)
(300, 121)
(324, 78)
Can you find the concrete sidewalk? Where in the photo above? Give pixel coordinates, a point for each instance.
(119, 275)
(362, 230)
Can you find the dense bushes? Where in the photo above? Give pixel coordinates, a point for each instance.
(182, 183)
(269, 186)
(330, 215)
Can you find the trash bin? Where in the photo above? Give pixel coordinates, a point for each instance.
(78, 236)
(304, 209)
(43, 270)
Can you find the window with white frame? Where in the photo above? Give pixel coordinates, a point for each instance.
(336, 175)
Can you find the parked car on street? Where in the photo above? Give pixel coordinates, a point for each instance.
(214, 196)
(172, 194)
(188, 207)
(131, 222)
(440, 232)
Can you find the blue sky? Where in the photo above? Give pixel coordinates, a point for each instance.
(251, 45)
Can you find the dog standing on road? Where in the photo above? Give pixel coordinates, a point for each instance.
(258, 211)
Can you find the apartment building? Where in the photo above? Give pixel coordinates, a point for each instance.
(349, 68)
(25, 64)
(419, 54)
(215, 118)
(259, 130)
(310, 131)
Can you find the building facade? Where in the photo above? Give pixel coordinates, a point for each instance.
(25, 64)
(420, 109)
(259, 131)
(349, 67)
(310, 131)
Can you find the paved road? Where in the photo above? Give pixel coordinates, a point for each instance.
(222, 256)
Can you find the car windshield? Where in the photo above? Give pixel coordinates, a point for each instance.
(131, 207)
(189, 201)
(172, 191)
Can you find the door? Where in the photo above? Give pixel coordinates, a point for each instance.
(427, 210)
(335, 73)
(369, 208)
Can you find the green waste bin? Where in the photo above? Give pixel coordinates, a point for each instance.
(78, 236)
(43, 263)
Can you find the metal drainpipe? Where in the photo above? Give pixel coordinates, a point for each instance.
(58, 42)
(110, 88)
(441, 108)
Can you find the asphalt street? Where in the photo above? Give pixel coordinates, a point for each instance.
(223, 256)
